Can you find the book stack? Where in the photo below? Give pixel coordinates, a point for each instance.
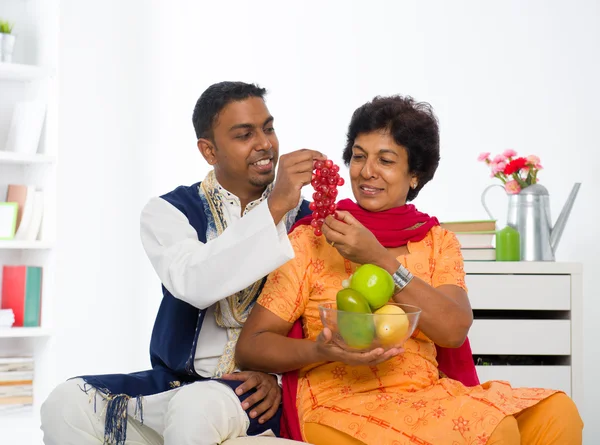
(22, 293)
(30, 211)
(16, 384)
(7, 318)
(476, 238)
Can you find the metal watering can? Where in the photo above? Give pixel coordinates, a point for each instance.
(529, 214)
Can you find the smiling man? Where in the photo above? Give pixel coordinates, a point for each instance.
(211, 244)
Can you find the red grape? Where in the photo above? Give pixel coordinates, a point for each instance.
(325, 181)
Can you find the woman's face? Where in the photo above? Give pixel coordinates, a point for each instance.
(379, 172)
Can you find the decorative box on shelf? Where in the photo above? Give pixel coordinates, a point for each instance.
(527, 326)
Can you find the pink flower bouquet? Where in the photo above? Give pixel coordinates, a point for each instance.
(515, 172)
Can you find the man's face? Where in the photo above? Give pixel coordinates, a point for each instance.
(244, 149)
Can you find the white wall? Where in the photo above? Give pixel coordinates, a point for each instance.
(512, 74)
(103, 130)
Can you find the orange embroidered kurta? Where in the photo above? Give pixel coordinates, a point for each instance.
(401, 401)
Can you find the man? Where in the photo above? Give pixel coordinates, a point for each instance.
(211, 244)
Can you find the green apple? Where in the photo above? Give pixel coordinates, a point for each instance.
(355, 322)
(374, 283)
(357, 330)
(350, 300)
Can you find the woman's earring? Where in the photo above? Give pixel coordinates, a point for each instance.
(414, 185)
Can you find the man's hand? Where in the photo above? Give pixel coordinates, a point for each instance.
(267, 390)
(294, 171)
(331, 352)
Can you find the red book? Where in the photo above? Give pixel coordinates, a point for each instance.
(22, 292)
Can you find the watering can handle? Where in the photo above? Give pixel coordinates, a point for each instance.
(483, 199)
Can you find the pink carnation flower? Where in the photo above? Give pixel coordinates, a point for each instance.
(535, 161)
(497, 167)
(512, 187)
(509, 153)
(483, 156)
(499, 158)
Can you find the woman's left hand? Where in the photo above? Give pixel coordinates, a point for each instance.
(352, 240)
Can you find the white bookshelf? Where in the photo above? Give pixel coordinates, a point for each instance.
(7, 157)
(26, 245)
(24, 332)
(20, 72)
(33, 75)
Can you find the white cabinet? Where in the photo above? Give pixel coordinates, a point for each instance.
(527, 326)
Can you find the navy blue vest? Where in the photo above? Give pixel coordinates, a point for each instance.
(174, 336)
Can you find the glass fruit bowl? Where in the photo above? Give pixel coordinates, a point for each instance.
(388, 327)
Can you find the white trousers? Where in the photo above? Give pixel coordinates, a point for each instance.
(201, 413)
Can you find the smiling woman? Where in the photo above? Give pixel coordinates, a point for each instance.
(392, 152)
(399, 395)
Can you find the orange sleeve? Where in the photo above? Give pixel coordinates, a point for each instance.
(286, 291)
(449, 263)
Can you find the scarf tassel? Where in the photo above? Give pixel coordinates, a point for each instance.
(116, 413)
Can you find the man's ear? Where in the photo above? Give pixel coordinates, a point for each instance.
(207, 149)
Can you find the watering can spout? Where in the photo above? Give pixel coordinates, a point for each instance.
(561, 222)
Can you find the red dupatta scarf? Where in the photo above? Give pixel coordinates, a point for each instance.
(392, 228)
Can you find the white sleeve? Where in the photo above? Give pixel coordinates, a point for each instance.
(202, 274)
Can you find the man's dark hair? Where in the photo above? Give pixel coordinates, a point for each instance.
(215, 98)
(411, 124)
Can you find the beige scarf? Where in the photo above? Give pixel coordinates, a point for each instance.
(232, 312)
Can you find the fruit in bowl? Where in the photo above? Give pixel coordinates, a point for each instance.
(373, 283)
(391, 329)
(357, 331)
(388, 327)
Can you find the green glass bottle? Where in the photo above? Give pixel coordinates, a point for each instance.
(508, 245)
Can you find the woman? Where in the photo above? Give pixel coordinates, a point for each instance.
(397, 396)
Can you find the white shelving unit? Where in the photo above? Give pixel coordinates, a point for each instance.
(530, 311)
(24, 332)
(7, 157)
(20, 72)
(26, 245)
(33, 75)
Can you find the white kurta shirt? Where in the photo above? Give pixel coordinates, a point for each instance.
(203, 273)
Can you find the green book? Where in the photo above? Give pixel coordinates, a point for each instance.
(33, 297)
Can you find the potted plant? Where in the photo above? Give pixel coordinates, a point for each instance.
(7, 41)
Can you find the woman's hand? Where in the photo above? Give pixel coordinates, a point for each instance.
(353, 240)
(330, 352)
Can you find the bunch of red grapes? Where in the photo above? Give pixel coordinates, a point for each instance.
(325, 181)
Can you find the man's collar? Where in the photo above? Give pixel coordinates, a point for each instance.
(235, 201)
